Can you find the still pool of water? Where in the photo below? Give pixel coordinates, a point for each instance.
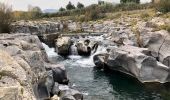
(100, 85)
(97, 84)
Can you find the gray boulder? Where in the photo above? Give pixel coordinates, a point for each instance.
(63, 45)
(86, 47)
(58, 72)
(69, 94)
(159, 44)
(135, 62)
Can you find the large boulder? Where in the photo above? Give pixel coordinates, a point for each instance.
(86, 46)
(67, 93)
(135, 62)
(159, 44)
(45, 85)
(49, 39)
(58, 72)
(63, 45)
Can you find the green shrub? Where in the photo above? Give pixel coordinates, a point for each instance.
(5, 18)
(163, 6)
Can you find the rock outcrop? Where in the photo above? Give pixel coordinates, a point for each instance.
(63, 45)
(14, 79)
(25, 71)
(70, 46)
(159, 44)
(35, 27)
(134, 61)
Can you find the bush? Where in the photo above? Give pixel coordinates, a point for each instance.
(5, 18)
(163, 6)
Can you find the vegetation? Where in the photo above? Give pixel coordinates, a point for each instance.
(5, 18)
(70, 6)
(96, 11)
(130, 1)
(81, 13)
(62, 9)
(80, 5)
(163, 6)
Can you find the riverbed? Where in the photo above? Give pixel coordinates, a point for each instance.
(97, 84)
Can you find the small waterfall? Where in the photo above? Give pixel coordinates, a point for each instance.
(88, 62)
(52, 55)
(73, 50)
(50, 51)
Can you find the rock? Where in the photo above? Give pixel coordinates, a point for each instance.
(49, 39)
(100, 59)
(35, 27)
(55, 89)
(68, 97)
(76, 94)
(69, 94)
(55, 97)
(22, 64)
(11, 93)
(45, 85)
(14, 80)
(59, 73)
(158, 44)
(86, 47)
(135, 62)
(63, 45)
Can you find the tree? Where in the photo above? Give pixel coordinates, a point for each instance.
(80, 5)
(129, 1)
(62, 9)
(100, 2)
(5, 18)
(70, 6)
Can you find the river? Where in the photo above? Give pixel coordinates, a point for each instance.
(97, 84)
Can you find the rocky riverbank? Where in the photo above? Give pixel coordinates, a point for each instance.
(27, 74)
(133, 46)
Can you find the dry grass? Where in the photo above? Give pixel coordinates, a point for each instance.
(165, 27)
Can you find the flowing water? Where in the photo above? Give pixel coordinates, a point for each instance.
(97, 84)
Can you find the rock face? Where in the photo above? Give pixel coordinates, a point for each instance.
(49, 39)
(14, 80)
(63, 45)
(69, 46)
(159, 45)
(25, 72)
(134, 61)
(35, 27)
